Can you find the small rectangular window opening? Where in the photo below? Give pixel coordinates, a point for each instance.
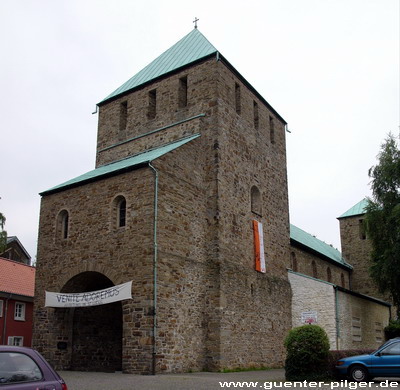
(272, 130)
(255, 113)
(182, 92)
(151, 112)
(361, 229)
(237, 99)
(123, 115)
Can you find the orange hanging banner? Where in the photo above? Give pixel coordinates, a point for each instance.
(259, 246)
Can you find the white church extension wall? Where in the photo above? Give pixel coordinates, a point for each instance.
(313, 300)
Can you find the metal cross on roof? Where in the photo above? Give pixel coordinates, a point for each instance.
(195, 21)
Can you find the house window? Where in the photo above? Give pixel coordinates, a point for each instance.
(255, 114)
(63, 224)
(123, 115)
(1, 308)
(256, 202)
(152, 107)
(19, 313)
(272, 130)
(238, 105)
(182, 92)
(119, 211)
(314, 269)
(329, 275)
(17, 341)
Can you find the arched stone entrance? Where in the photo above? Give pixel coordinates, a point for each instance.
(96, 332)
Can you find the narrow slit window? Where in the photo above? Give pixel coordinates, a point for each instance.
(329, 275)
(123, 115)
(152, 108)
(182, 92)
(119, 212)
(256, 203)
(294, 262)
(361, 229)
(272, 130)
(255, 114)
(342, 280)
(62, 225)
(122, 213)
(65, 225)
(314, 269)
(238, 106)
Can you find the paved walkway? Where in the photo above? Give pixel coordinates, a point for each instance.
(268, 379)
(194, 381)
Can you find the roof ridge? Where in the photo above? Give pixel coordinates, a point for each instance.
(17, 262)
(192, 47)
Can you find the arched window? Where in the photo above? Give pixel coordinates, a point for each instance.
(119, 211)
(63, 224)
(293, 261)
(314, 269)
(256, 201)
(329, 275)
(342, 281)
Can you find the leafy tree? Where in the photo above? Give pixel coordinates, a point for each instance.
(3, 233)
(383, 220)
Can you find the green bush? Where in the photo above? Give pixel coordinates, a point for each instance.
(393, 329)
(307, 349)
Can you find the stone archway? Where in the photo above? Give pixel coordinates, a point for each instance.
(96, 334)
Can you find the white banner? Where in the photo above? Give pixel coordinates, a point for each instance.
(91, 298)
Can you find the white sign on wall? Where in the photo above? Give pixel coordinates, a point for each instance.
(309, 317)
(91, 298)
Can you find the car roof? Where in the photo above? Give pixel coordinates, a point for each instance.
(13, 348)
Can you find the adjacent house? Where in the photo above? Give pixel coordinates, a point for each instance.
(17, 285)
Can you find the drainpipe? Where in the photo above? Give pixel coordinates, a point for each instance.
(337, 317)
(5, 321)
(155, 266)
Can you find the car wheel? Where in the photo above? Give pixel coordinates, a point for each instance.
(359, 374)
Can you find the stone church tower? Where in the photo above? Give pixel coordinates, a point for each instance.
(189, 155)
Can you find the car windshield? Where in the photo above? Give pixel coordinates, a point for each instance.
(386, 343)
(18, 367)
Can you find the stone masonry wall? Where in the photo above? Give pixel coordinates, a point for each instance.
(304, 266)
(356, 250)
(96, 246)
(248, 157)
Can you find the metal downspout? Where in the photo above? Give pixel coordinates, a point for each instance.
(155, 253)
(5, 342)
(337, 317)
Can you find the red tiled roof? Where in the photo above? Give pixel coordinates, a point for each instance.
(17, 278)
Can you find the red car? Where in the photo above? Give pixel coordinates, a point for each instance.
(26, 369)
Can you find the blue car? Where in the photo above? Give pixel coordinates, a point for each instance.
(384, 362)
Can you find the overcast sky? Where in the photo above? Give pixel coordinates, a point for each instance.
(329, 67)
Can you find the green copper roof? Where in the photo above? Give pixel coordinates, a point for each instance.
(358, 209)
(120, 166)
(313, 243)
(192, 47)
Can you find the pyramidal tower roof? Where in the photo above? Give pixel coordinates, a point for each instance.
(358, 209)
(191, 48)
